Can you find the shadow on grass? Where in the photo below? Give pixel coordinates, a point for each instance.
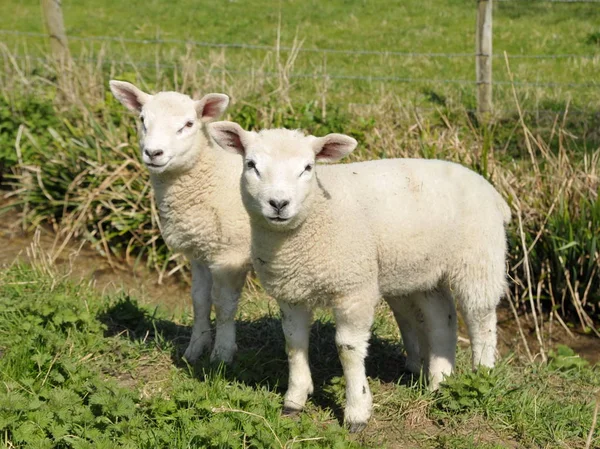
(261, 360)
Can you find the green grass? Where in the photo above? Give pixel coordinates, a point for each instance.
(520, 28)
(81, 370)
(75, 373)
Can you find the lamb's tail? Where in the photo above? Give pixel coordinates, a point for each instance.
(504, 208)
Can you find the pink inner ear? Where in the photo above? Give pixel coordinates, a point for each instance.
(232, 140)
(130, 99)
(212, 108)
(331, 150)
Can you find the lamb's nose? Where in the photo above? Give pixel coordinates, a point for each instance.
(278, 205)
(153, 153)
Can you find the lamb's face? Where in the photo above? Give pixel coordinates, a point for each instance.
(279, 179)
(169, 124)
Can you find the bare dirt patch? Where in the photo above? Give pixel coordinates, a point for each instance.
(553, 334)
(84, 262)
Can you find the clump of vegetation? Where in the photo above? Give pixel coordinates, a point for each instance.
(594, 38)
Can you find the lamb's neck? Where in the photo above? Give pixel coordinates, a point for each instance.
(193, 186)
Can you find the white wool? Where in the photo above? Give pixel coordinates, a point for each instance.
(196, 187)
(419, 233)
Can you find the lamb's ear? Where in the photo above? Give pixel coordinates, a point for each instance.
(130, 96)
(230, 136)
(211, 106)
(333, 147)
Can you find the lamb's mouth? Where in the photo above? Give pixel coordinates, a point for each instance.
(156, 165)
(151, 166)
(278, 219)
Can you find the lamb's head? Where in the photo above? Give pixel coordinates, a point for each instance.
(170, 123)
(279, 179)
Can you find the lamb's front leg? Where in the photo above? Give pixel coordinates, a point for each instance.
(201, 335)
(226, 290)
(353, 320)
(296, 320)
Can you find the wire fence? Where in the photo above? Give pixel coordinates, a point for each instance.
(593, 58)
(301, 75)
(191, 42)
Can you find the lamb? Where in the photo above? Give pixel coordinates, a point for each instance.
(196, 186)
(418, 233)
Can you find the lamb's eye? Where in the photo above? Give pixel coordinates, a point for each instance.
(188, 124)
(307, 169)
(143, 122)
(252, 166)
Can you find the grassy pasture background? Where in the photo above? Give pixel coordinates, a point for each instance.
(69, 160)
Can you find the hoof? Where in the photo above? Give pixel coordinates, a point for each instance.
(290, 411)
(225, 355)
(356, 427)
(190, 357)
(193, 353)
(200, 342)
(412, 367)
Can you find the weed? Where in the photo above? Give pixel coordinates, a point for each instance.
(468, 391)
(564, 358)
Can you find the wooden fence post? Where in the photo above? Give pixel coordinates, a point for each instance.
(483, 58)
(53, 18)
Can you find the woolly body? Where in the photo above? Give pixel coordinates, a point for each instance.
(201, 212)
(408, 223)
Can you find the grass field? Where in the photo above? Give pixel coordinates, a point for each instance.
(521, 28)
(81, 370)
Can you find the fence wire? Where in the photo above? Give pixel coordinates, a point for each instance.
(408, 54)
(324, 76)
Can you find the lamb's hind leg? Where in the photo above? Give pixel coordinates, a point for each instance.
(404, 310)
(478, 296)
(437, 334)
(201, 335)
(226, 290)
(481, 325)
(479, 285)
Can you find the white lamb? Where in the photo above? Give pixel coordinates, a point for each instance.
(196, 186)
(415, 232)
